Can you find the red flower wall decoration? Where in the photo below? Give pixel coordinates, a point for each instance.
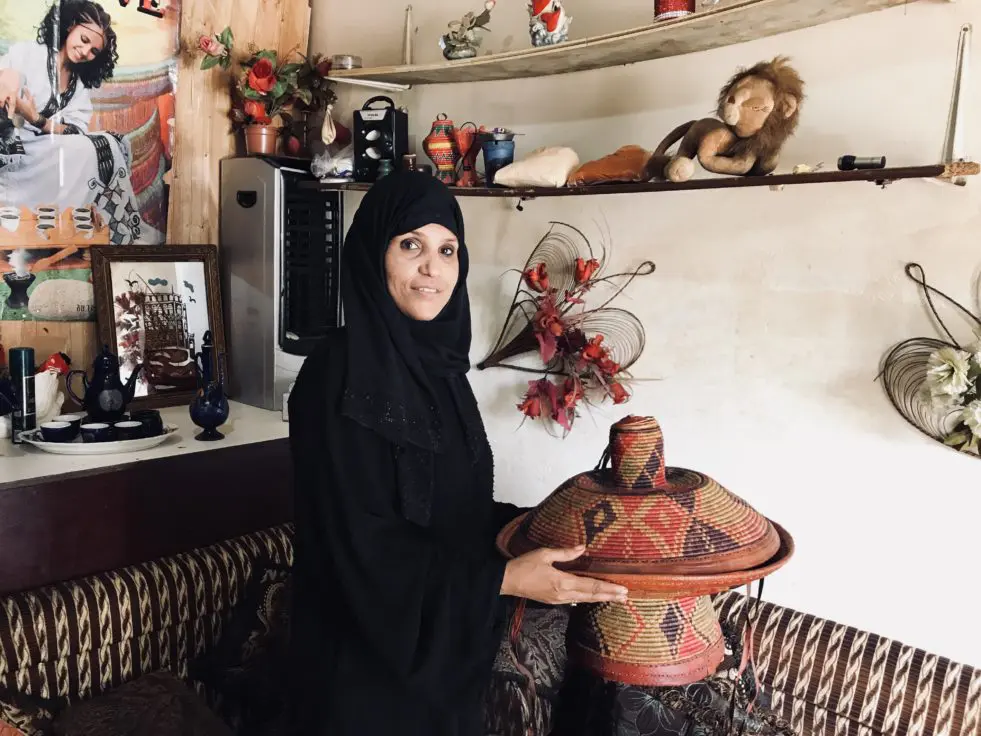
(586, 352)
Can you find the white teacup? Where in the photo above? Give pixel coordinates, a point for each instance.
(81, 213)
(10, 222)
(48, 210)
(85, 229)
(9, 210)
(45, 229)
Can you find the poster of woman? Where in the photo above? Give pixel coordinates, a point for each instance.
(86, 130)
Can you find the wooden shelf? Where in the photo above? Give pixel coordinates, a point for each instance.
(941, 171)
(731, 21)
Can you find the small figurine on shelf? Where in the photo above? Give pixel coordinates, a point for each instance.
(462, 40)
(548, 23)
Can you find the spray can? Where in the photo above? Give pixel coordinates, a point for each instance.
(23, 418)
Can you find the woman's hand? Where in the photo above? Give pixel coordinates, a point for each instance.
(26, 107)
(532, 576)
(9, 86)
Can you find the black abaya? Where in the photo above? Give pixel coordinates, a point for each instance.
(397, 607)
(395, 627)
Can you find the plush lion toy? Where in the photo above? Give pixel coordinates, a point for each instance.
(759, 109)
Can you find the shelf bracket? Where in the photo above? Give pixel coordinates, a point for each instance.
(520, 207)
(955, 144)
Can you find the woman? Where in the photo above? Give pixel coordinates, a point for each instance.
(52, 158)
(397, 585)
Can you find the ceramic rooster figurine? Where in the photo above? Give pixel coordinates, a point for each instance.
(549, 23)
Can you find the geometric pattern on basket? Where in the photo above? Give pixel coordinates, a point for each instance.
(647, 631)
(637, 453)
(694, 518)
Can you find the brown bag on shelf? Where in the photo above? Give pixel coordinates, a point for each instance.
(626, 164)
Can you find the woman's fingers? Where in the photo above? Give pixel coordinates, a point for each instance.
(563, 555)
(590, 590)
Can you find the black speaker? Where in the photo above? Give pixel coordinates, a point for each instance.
(380, 134)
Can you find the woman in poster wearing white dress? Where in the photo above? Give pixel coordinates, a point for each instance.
(48, 154)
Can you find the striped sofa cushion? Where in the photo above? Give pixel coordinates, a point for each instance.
(78, 639)
(828, 679)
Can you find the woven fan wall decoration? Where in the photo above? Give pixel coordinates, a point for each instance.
(585, 353)
(936, 384)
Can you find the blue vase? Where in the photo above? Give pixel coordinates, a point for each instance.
(497, 155)
(209, 409)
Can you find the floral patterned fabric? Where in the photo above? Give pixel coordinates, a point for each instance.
(246, 673)
(513, 706)
(590, 706)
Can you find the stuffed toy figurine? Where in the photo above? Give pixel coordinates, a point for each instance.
(759, 110)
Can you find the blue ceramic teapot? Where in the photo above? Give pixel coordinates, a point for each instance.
(105, 396)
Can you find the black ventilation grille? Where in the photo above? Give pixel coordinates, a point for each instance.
(313, 229)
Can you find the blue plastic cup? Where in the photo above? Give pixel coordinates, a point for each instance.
(497, 155)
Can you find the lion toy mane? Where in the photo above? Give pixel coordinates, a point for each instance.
(758, 111)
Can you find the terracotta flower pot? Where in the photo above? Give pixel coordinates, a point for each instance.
(261, 139)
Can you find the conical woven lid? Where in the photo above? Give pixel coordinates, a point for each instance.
(642, 518)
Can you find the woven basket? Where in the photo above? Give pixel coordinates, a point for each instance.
(648, 642)
(661, 531)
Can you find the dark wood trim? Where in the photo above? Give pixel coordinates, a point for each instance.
(55, 529)
(878, 176)
(104, 255)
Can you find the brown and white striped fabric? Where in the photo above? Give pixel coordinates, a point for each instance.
(827, 679)
(81, 638)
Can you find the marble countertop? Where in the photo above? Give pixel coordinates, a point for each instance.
(246, 425)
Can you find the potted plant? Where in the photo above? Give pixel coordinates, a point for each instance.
(314, 94)
(267, 89)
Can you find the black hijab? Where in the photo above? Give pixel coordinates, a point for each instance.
(391, 356)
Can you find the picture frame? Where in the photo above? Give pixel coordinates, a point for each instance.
(153, 305)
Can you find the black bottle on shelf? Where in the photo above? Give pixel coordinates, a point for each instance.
(23, 418)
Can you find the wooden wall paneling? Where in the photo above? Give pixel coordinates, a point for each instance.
(203, 134)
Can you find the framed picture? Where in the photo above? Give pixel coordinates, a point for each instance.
(153, 306)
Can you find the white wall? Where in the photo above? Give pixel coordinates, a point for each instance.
(769, 311)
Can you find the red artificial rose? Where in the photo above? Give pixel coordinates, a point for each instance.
(608, 366)
(585, 269)
(542, 395)
(323, 68)
(548, 327)
(572, 392)
(262, 76)
(531, 407)
(257, 111)
(619, 393)
(594, 350)
(537, 278)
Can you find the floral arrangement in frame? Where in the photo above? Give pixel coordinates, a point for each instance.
(583, 353)
(935, 384)
(153, 307)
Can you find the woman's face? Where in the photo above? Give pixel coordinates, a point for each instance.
(84, 43)
(422, 268)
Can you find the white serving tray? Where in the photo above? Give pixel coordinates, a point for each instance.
(78, 447)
